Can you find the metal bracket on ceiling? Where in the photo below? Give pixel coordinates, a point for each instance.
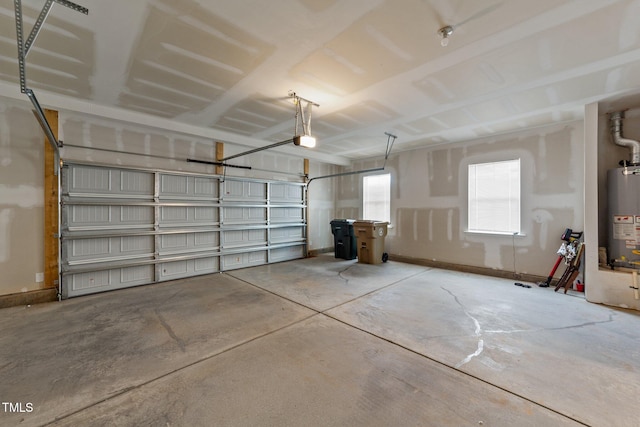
(24, 47)
(23, 51)
(300, 113)
(391, 139)
(73, 6)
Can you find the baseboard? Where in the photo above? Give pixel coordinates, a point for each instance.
(316, 252)
(29, 298)
(531, 278)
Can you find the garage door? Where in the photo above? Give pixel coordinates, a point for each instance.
(126, 227)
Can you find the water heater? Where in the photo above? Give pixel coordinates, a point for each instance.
(624, 216)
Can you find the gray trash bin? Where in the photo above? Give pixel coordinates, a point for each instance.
(344, 240)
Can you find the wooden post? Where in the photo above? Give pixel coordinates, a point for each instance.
(219, 157)
(51, 207)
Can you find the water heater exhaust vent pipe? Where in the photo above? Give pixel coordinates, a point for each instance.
(616, 133)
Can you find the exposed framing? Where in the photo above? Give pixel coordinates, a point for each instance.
(51, 209)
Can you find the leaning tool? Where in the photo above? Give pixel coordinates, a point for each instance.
(567, 237)
(571, 272)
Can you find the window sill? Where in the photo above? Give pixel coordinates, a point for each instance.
(496, 233)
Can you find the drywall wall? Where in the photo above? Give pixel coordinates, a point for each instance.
(429, 200)
(21, 199)
(321, 198)
(104, 141)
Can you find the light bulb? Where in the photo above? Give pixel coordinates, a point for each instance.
(445, 32)
(305, 141)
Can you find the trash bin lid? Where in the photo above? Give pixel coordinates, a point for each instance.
(369, 223)
(342, 221)
(371, 228)
(342, 227)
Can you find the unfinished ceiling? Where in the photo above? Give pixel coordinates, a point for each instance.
(224, 68)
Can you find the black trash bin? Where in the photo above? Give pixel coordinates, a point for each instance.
(344, 239)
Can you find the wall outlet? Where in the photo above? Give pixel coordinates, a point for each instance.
(39, 277)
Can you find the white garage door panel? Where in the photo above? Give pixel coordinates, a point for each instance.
(286, 193)
(242, 260)
(125, 227)
(91, 217)
(174, 185)
(237, 190)
(105, 280)
(188, 187)
(287, 253)
(93, 182)
(107, 249)
(182, 243)
(287, 214)
(243, 215)
(240, 238)
(172, 216)
(287, 234)
(187, 268)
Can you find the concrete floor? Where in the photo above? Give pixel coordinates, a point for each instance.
(323, 342)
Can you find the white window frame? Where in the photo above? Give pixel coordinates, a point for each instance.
(494, 197)
(378, 209)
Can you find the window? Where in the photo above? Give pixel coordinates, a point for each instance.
(376, 196)
(494, 197)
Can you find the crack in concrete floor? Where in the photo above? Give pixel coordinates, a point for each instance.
(477, 332)
(170, 331)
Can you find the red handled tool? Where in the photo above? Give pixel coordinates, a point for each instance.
(567, 236)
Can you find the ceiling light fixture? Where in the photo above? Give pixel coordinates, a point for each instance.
(445, 33)
(303, 140)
